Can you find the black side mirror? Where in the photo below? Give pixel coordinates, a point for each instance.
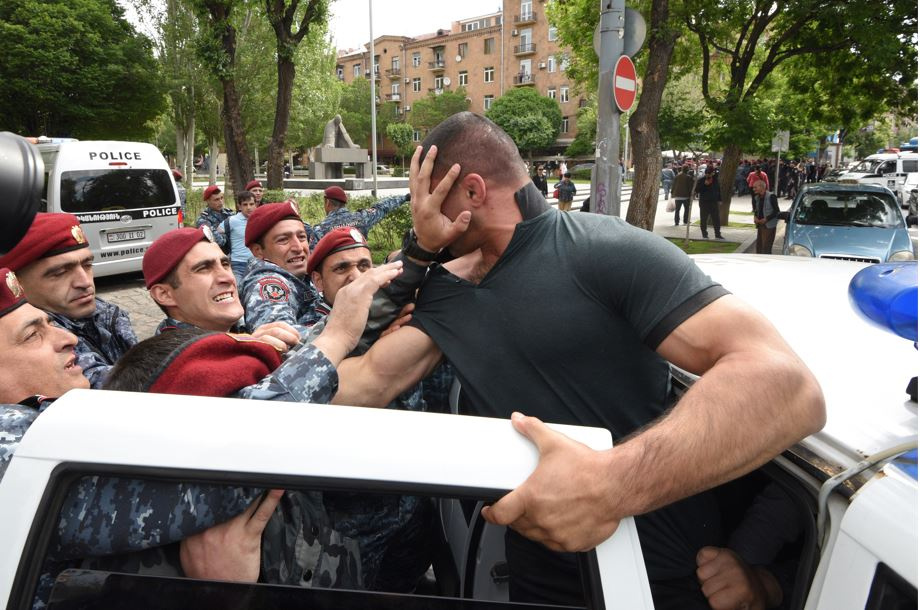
(22, 179)
(784, 216)
(911, 220)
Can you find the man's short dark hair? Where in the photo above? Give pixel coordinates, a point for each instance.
(135, 370)
(242, 196)
(567, 175)
(478, 145)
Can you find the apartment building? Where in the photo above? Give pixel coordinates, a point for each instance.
(487, 55)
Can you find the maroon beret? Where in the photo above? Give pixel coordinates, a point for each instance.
(336, 240)
(11, 294)
(169, 249)
(49, 234)
(215, 364)
(336, 193)
(268, 215)
(211, 190)
(253, 184)
(177, 174)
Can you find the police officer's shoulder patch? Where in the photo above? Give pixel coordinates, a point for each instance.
(274, 290)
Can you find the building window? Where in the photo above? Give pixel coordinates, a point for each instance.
(416, 84)
(551, 63)
(489, 46)
(472, 25)
(498, 20)
(487, 101)
(357, 70)
(552, 33)
(394, 89)
(416, 59)
(565, 124)
(462, 49)
(526, 9)
(551, 93)
(394, 63)
(464, 79)
(563, 94)
(488, 75)
(340, 72)
(438, 82)
(416, 135)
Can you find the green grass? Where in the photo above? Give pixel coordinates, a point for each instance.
(697, 246)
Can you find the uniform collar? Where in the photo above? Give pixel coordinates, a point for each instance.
(530, 201)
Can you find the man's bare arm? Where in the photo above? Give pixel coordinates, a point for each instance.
(754, 399)
(394, 363)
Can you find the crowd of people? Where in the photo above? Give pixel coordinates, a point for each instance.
(312, 319)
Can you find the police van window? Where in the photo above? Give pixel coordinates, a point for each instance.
(122, 189)
(910, 165)
(317, 551)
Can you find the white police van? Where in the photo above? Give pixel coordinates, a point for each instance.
(123, 193)
(890, 169)
(852, 486)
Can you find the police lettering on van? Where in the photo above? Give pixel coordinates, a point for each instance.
(123, 193)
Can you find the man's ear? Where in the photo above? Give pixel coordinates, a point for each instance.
(317, 281)
(474, 188)
(163, 295)
(256, 249)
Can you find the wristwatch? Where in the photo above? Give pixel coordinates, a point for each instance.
(411, 248)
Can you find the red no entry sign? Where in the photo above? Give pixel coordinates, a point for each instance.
(624, 83)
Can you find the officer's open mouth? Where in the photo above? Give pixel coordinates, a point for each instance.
(297, 259)
(224, 296)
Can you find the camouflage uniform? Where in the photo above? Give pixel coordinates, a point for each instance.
(103, 337)
(214, 220)
(270, 293)
(127, 525)
(363, 220)
(174, 324)
(393, 532)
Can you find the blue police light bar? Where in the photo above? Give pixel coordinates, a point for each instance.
(886, 295)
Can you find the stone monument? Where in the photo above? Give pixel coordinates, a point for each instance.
(337, 148)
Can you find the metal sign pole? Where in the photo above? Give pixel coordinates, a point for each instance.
(606, 179)
(370, 10)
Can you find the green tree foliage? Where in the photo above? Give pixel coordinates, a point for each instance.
(75, 68)
(586, 123)
(532, 120)
(400, 135)
(431, 110)
(355, 108)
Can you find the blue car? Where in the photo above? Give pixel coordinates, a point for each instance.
(860, 222)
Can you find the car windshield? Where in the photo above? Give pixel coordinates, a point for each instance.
(866, 166)
(122, 189)
(858, 209)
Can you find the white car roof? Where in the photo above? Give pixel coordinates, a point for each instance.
(862, 369)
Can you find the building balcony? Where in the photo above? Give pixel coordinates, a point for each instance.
(523, 78)
(394, 73)
(436, 65)
(393, 97)
(528, 48)
(438, 90)
(525, 18)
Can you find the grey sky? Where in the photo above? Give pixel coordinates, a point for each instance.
(349, 22)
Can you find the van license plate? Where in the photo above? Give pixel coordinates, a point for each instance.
(125, 236)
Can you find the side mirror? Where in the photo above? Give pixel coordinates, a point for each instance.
(784, 216)
(22, 178)
(911, 220)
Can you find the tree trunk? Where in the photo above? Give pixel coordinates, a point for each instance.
(643, 124)
(188, 168)
(275, 170)
(731, 157)
(214, 152)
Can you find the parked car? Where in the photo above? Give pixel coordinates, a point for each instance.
(383, 169)
(859, 222)
(890, 170)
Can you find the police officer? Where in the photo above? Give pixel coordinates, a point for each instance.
(55, 268)
(299, 546)
(37, 364)
(255, 187)
(338, 215)
(189, 278)
(214, 213)
(393, 532)
(276, 287)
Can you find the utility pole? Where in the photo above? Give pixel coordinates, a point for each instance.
(370, 10)
(606, 181)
